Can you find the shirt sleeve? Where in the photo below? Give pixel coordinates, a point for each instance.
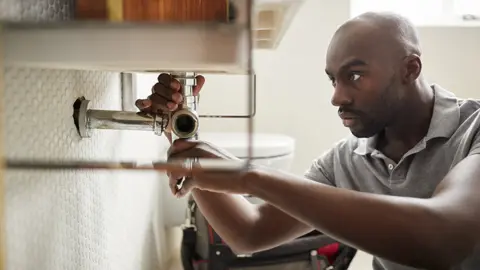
(475, 143)
(475, 149)
(321, 169)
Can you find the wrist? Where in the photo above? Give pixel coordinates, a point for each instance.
(251, 177)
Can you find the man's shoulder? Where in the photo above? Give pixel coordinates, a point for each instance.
(323, 167)
(339, 151)
(346, 145)
(468, 107)
(469, 124)
(461, 111)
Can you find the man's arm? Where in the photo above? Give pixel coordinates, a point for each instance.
(252, 228)
(425, 233)
(245, 227)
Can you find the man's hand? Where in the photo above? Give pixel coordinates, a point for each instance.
(224, 182)
(166, 95)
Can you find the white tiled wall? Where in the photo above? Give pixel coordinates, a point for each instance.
(75, 219)
(80, 219)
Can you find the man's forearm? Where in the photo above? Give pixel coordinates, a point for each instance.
(228, 214)
(231, 216)
(404, 230)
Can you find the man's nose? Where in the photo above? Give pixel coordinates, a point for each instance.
(341, 96)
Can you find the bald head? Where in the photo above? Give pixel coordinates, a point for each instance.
(396, 29)
(383, 33)
(372, 61)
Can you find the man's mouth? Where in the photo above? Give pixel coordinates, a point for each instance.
(348, 119)
(349, 122)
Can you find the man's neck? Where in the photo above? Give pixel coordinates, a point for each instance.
(411, 125)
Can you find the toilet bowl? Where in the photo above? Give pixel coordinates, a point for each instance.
(273, 150)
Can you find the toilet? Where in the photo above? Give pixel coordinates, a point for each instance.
(269, 149)
(273, 150)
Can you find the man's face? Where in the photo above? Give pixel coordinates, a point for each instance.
(366, 88)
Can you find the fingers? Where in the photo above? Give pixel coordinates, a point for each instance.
(161, 104)
(169, 91)
(180, 145)
(174, 177)
(143, 104)
(155, 104)
(200, 83)
(173, 184)
(168, 87)
(167, 80)
(166, 94)
(187, 186)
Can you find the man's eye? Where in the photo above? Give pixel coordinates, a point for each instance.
(355, 77)
(332, 80)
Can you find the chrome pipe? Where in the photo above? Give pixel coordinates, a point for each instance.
(87, 120)
(184, 121)
(120, 120)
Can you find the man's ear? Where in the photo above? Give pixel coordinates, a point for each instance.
(413, 68)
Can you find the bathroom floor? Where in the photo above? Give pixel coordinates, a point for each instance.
(362, 261)
(176, 265)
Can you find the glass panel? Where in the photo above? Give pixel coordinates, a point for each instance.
(419, 11)
(466, 7)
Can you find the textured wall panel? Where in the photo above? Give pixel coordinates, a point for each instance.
(36, 10)
(81, 219)
(75, 219)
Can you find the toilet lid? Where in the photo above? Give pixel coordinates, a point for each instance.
(265, 145)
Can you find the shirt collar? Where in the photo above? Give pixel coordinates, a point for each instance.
(444, 122)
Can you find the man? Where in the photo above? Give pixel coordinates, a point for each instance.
(405, 187)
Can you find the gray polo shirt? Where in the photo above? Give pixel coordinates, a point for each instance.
(354, 163)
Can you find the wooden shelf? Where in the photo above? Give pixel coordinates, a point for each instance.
(149, 47)
(218, 48)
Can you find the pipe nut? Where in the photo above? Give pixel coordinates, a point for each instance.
(184, 123)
